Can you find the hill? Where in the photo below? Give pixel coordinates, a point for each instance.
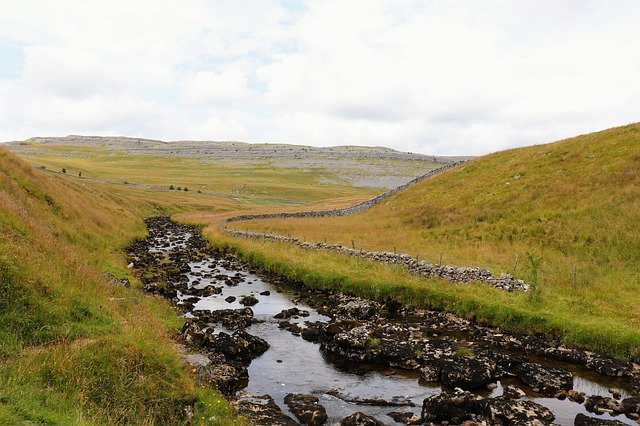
(541, 211)
(267, 171)
(77, 348)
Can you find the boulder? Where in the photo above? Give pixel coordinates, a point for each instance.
(466, 373)
(512, 392)
(360, 309)
(511, 412)
(360, 419)
(248, 300)
(456, 407)
(262, 410)
(548, 380)
(306, 408)
(582, 420)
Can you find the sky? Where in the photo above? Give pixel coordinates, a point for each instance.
(436, 77)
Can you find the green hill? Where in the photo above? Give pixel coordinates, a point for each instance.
(75, 348)
(570, 204)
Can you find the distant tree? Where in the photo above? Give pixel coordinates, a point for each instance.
(199, 192)
(64, 170)
(171, 187)
(179, 189)
(186, 189)
(79, 174)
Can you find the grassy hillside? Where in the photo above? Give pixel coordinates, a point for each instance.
(250, 180)
(573, 203)
(74, 348)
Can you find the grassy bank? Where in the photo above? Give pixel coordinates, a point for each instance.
(513, 311)
(74, 348)
(543, 211)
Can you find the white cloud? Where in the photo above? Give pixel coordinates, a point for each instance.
(436, 77)
(213, 88)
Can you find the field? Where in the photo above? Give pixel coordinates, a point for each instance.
(545, 209)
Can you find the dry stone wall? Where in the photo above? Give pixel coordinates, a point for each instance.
(420, 267)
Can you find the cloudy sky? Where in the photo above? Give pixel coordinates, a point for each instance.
(441, 77)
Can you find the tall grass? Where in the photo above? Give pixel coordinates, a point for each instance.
(75, 349)
(575, 203)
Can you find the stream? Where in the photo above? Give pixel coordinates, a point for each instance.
(355, 355)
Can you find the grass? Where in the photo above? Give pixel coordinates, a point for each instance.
(74, 348)
(256, 182)
(540, 211)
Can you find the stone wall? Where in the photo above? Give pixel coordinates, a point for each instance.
(346, 210)
(420, 267)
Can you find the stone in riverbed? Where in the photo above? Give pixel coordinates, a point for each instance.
(404, 417)
(262, 410)
(359, 419)
(240, 345)
(548, 380)
(306, 408)
(582, 420)
(512, 392)
(460, 406)
(230, 299)
(466, 373)
(291, 312)
(360, 309)
(248, 300)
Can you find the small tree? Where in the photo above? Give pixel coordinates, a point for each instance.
(179, 189)
(171, 187)
(186, 189)
(79, 174)
(64, 170)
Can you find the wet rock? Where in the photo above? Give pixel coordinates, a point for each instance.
(227, 378)
(240, 345)
(230, 299)
(265, 293)
(466, 373)
(576, 396)
(262, 410)
(396, 401)
(404, 417)
(430, 373)
(512, 392)
(455, 407)
(610, 366)
(293, 328)
(504, 411)
(432, 351)
(461, 406)
(548, 380)
(631, 405)
(360, 309)
(234, 319)
(291, 312)
(574, 356)
(582, 420)
(360, 419)
(248, 300)
(603, 404)
(394, 352)
(306, 408)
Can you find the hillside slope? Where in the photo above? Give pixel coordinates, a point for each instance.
(565, 205)
(75, 348)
